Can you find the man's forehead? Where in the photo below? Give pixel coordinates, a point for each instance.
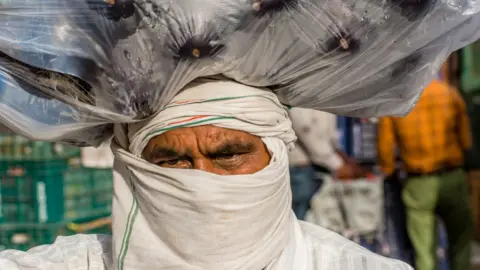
(204, 138)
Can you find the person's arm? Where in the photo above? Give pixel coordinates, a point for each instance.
(386, 145)
(313, 132)
(345, 157)
(351, 169)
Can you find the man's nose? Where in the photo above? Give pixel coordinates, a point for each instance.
(207, 165)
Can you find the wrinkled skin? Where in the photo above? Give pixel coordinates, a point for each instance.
(208, 148)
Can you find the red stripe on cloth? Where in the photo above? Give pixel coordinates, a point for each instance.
(189, 119)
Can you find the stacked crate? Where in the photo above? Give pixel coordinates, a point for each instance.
(358, 138)
(44, 189)
(365, 140)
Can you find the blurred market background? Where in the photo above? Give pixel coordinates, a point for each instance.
(358, 138)
(50, 189)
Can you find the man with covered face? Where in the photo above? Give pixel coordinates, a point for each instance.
(204, 185)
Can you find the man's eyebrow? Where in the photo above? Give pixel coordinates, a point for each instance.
(232, 147)
(162, 152)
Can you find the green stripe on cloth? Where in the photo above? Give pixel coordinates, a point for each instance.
(153, 133)
(126, 235)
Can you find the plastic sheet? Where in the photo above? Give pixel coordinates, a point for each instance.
(71, 68)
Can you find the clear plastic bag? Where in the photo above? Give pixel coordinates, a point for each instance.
(69, 69)
(353, 207)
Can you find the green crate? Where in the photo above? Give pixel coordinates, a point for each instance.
(31, 191)
(87, 192)
(52, 191)
(27, 236)
(15, 147)
(470, 71)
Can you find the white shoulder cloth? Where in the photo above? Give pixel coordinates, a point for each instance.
(325, 250)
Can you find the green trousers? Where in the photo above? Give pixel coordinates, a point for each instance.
(444, 196)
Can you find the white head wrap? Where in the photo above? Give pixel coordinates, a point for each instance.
(221, 103)
(192, 220)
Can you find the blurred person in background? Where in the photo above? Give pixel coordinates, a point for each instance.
(316, 151)
(432, 140)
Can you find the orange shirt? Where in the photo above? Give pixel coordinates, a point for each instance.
(433, 136)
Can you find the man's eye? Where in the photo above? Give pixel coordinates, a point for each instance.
(226, 156)
(183, 163)
(170, 162)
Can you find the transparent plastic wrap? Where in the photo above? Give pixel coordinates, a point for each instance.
(69, 69)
